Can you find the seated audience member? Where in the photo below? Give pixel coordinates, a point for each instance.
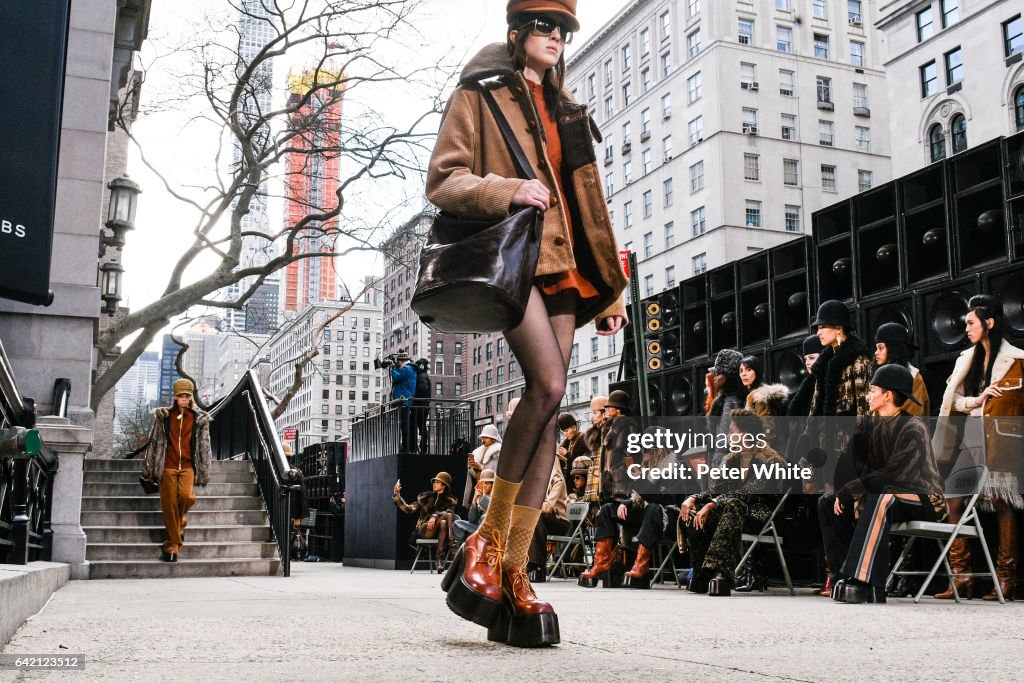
(897, 480)
(713, 522)
(893, 345)
(477, 507)
(767, 400)
(436, 510)
(484, 456)
(579, 473)
(594, 438)
(643, 516)
(573, 443)
(553, 521)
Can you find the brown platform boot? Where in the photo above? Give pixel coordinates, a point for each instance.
(602, 563)
(960, 563)
(637, 576)
(473, 580)
(526, 621)
(1006, 561)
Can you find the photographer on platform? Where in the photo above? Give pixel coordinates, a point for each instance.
(403, 389)
(421, 407)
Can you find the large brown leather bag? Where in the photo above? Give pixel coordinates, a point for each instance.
(1004, 439)
(475, 276)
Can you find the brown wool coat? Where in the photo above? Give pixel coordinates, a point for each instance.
(472, 174)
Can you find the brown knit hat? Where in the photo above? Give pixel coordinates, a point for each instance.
(183, 386)
(444, 478)
(560, 9)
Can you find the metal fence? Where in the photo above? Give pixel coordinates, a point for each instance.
(26, 477)
(377, 432)
(242, 428)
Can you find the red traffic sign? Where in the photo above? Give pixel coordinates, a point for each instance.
(290, 433)
(624, 259)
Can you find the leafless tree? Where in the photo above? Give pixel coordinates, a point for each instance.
(134, 425)
(351, 45)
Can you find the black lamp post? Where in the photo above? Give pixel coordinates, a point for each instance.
(111, 286)
(121, 213)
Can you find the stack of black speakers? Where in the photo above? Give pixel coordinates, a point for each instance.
(911, 251)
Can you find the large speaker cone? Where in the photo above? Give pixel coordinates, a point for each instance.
(669, 349)
(669, 309)
(947, 318)
(679, 395)
(790, 369)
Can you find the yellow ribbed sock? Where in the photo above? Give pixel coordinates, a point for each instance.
(499, 512)
(520, 535)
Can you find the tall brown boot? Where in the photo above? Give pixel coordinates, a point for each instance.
(959, 563)
(1006, 561)
(637, 576)
(602, 563)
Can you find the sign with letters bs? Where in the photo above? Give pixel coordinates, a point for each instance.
(33, 46)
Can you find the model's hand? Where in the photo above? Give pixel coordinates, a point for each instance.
(398, 488)
(991, 392)
(532, 193)
(561, 452)
(702, 516)
(622, 512)
(685, 509)
(837, 508)
(611, 325)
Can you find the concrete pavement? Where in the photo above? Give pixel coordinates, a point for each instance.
(329, 622)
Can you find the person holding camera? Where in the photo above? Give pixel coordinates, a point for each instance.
(477, 507)
(421, 406)
(484, 456)
(436, 510)
(403, 389)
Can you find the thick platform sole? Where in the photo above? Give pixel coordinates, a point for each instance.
(586, 582)
(525, 630)
(638, 582)
(466, 602)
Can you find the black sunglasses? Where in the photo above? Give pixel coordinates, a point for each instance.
(543, 26)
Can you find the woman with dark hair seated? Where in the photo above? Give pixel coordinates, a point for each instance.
(436, 509)
(729, 393)
(766, 400)
(713, 522)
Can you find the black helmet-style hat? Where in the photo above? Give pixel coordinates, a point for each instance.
(833, 313)
(895, 378)
(893, 333)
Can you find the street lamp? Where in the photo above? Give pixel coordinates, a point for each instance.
(111, 286)
(121, 212)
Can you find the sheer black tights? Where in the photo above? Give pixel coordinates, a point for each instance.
(541, 343)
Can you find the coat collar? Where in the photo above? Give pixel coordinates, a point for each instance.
(493, 61)
(1000, 364)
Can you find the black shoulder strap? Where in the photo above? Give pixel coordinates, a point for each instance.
(518, 156)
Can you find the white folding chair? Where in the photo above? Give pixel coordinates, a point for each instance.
(967, 481)
(577, 514)
(769, 533)
(424, 543)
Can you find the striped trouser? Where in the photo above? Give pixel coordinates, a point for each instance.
(860, 547)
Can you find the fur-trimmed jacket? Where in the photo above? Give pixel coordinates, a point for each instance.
(769, 401)
(200, 449)
(842, 379)
(426, 504)
(595, 440)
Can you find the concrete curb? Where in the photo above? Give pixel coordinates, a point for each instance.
(24, 590)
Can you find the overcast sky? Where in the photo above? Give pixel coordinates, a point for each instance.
(185, 150)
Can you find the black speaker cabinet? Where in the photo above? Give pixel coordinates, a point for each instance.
(722, 308)
(941, 317)
(754, 299)
(630, 387)
(834, 258)
(786, 364)
(1014, 158)
(678, 395)
(1015, 211)
(1008, 285)
(979, 211)
(694, 329)
(876, 237)
(628, 359)
(792, 300)
(936, 370)
(661, 311)
(895, 309)
(661, 351)
(926, 245)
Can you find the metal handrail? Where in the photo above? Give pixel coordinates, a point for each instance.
(242, 426)
(377, 432)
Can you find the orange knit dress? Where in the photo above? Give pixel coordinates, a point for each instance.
(573, 279)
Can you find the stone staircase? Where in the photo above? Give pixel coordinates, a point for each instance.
(228, 530)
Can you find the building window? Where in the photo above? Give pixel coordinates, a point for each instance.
(609, 146)
(925, 25)
(693, 86)
(438, 388)
(666, 105)
(937, 142)
(609, 107)
(697, 176)
(860, 96)
(458, 390)
(789, 127)
(609, 183)
(1013, 36)
(826, 137)
(862, 135)
(692, 10)
(856, 53)
(1018, 107)
(696, 130)
(753, 214)
(666, 147)
(627, 52)
(828, 178)
(865, 179)
(645, 124)
(647, 161)
(670, 277)
(783, 5)
(950, 12)
(697, 221)
(954, 66)
(594, 352)
(670, 235)
(787, 82)
(793, 218)
(746, 31)
(627, 135)
(783, 38)
(693, 44)
(665, 22)
(821, 46)
(853, 12)
(627, 211)
(645, 42)
(627, 94)
(824, 89)
(627, 172)
(648, 204)
(791, 172)
(648, 285)
(666, 63)
(749, 120)
(591, 86)
(700, 263)
(608, 74)
(958, 131)
(649, 245)
(645, 81)
(667, 191)
(818, 9)
(748, 73)
(929, 79)
(751, 167)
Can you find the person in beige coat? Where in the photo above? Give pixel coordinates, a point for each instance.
(578, 280)
(982, 385)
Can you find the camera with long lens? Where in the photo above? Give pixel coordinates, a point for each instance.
(385, 362)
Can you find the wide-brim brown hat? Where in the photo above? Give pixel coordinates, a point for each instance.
(488, 475)
(183, 386)
(444, 478)
(618, 399)
(557, 9)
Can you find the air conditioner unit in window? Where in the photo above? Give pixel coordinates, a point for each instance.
(666, 114)
(749, 85)
(855, 20)
(749, 129)
(668, 158)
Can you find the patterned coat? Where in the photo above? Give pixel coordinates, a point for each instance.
(769, 401)
(842, 379)
(156, 449)
(426, 504)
